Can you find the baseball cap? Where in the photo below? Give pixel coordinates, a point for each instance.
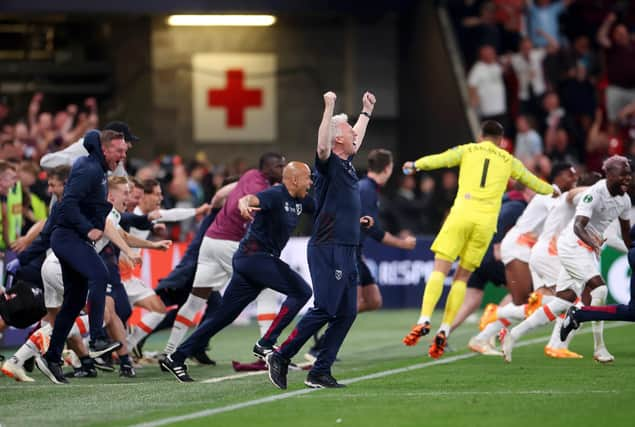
(122, 127)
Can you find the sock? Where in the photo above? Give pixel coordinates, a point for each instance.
(266, 309)
(124, 359)
(431, 295)
(542, 316)
(598, 297)
(146, 325)
(566, 342)
(554, 340)
(80, 327)
(25, 352)
(184, 320)
(492, 329)
(511, 311)
(86, 362)
(37, 343)
(445, 328)
(453, 304)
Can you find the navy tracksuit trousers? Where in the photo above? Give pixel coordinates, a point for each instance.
(334, 275)
(84, 273)
(252, 274)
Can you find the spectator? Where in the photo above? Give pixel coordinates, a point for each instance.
(487, 88)
(559, 149)
(542, 16)
(429, 223)
(555, 66)
(527, 65)
(578, 93)
(408, 210)
(581, 54)
(196, 174)
(602, 141)
(528, 141)
(465, 16)
(445, 195)
(33, 207)
(619, 50)
(8, 179)
(509, 15)
(562, 139)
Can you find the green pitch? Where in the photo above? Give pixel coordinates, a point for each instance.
(460, 390)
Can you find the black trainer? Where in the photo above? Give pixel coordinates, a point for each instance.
(178, 370)
(102, 346)
(569, 323)
(261, 351)
(160, 358)
(29, 364)
(82, 372)
(53, 371)
(322, 381)
(278, 368)
(202, 358)
(126, 370)
(104, 363)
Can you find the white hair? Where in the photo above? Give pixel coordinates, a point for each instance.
(335, 129)
(614, 162)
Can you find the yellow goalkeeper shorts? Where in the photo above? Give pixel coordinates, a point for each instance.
(465, 238)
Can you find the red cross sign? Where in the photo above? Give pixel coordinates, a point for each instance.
(234, 97)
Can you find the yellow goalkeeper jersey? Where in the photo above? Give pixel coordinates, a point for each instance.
(484, 171)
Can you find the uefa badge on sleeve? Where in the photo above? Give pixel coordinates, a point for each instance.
(338, 274)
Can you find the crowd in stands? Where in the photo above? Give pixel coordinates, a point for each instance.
(27, 136)
(560, 75)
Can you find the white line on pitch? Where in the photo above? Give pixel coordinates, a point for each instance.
(287, 395)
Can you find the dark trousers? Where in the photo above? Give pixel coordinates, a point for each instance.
(624, 312)
(252, 274)
(334, 275)
(84, 273)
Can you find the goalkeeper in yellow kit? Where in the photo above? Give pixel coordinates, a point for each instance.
(484, 172)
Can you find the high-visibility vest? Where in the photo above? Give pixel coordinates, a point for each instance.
(14, 212)
(39, 208)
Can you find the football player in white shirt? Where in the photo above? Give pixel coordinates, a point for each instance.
(515, 253)
(545, 264)
(578, 248)
(139, 294)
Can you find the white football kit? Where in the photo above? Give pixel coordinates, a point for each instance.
(544, 262)
(519, 240)
(579, 262)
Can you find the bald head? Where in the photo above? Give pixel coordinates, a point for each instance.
(296, 176)
(294, 169)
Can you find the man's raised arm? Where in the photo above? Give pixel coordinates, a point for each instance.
(324, 132)
(368, 104)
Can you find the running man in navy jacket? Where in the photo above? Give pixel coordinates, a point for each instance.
(257, 266)
(81, 220)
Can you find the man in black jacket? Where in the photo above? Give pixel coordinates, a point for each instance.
(80, 223)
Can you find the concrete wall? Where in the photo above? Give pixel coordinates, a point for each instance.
(314, 55)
